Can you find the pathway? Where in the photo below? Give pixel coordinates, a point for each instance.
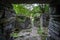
(23, 35)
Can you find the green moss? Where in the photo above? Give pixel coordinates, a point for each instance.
(42, 33)
(14, 34)
(40, 30)
(43, 37)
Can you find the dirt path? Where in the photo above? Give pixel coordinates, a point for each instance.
(29, 35)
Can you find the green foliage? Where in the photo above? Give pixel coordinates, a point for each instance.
(20, 9)
(40, 30)
(36, 9)
(14, 34)
(47, 8)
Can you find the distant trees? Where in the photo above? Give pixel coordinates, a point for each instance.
(36, 10)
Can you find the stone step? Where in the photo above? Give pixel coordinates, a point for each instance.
(29, 38)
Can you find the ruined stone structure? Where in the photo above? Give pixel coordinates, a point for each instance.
(6, 12)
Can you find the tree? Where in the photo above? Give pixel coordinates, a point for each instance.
(28, 10)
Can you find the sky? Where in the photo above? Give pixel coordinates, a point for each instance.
(30, 6)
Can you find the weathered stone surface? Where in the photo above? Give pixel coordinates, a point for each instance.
(29, 35)
(44, 20)
(29, 38)
(23, 22)
(7, 20)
